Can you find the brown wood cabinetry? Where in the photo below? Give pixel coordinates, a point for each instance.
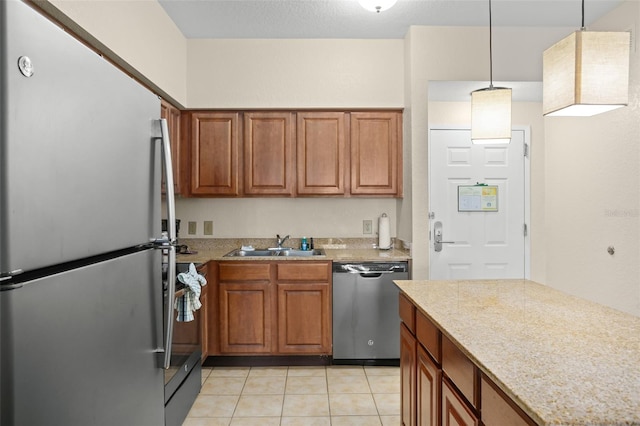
(214, 150)
(454, 409)
(293, 153)
(428, 382)
(245, 308)
(172, 115)
(321, 153)
(408, 346)
(376, 153)
(304, 308)
(449, 388)
(273, 308)
(269, 153)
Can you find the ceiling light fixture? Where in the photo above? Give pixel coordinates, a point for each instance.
(377, 5)
(586, 73)
(491, 108)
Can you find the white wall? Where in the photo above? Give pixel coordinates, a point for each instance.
(593, 194)
(139, 32)
(265, 217)
(295, 73)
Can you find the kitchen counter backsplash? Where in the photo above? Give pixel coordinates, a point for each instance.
(324, 243)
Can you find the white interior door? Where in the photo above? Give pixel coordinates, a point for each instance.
(479, 239)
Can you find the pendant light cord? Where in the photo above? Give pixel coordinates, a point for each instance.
(491, 49)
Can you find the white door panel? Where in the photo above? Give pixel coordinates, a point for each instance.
(479, 244)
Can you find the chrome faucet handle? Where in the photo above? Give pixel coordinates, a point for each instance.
(281, 240)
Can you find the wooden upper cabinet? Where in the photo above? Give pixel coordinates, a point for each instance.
(172, 115)
(376, 153)
(321, 149)
(269, 153)
(215, 164)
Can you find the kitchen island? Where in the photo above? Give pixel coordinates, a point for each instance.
(559, 359)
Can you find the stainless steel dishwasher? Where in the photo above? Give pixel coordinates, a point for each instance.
(366, 323)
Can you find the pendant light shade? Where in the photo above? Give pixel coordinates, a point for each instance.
(586, 73)
(491, 108)
(491, 115)
(377, 5)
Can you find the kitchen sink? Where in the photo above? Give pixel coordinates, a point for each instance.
(275, 252)
(302, 253)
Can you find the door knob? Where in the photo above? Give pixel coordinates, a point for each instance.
(437, 237)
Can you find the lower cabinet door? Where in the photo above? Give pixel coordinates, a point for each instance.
(428, 388)
(407, 377)
(304, 318)
(245, 318)
(454, 410)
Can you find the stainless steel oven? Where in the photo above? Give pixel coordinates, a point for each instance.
(182, 380)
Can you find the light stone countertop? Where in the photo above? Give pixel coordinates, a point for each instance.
(347, 250)
(562, 359)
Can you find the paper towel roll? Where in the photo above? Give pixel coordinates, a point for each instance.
(384, 237)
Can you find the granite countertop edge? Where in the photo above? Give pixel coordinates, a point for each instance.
(562, 359)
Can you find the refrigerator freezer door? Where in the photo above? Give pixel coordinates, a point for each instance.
(79, 168)
(78, 347)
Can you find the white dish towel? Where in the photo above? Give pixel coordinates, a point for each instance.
(189, 302)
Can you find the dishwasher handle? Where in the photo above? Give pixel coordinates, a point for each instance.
(372, 274)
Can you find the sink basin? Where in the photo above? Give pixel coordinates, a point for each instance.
(254, 253)
(275, 252)
(302, 253)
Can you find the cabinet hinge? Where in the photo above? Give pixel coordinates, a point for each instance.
(432, 215)
(526, 150)
(525, 230)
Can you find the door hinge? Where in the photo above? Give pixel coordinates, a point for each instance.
(525, 230)
(526, 150)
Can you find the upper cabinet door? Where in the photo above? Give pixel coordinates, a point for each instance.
(321, 148)
(376, 153)
(269, 153)
(214, 153)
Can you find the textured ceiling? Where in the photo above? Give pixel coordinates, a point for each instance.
(347, 19)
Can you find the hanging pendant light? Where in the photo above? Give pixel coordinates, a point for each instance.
(377, 5)
(587, 73)
(491, 108)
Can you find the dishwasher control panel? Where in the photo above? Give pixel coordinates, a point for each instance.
(367, 267)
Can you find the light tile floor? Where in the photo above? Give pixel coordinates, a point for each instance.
(298, 396)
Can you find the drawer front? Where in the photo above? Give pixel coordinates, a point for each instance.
(498, 409)
(454, 410)
(304, 271)
(242, 271)
(407, 313)
(428, 335)
(460, 370)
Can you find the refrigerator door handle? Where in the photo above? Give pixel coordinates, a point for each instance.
(171, 230)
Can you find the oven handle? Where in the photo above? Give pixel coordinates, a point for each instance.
(170, 301)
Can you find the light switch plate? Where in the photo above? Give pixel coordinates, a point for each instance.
(367, 226)
(208, 227)
(193, 228)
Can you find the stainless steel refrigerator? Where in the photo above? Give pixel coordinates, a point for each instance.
(81, 321)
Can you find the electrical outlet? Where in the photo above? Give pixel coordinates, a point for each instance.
(367, 227)
(208, 227)
(193, 228)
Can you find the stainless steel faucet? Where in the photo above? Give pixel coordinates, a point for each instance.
(281, 240)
